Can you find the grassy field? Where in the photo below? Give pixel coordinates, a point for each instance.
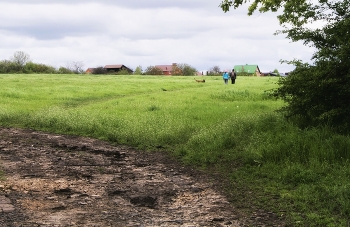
(265, 162)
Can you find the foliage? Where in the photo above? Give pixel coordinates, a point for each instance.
(7, 66)
(320, 97)
(152, 70)
(31, 67)
(123, 72)
(183, 69)
(277, 72)
(99, 70)
(214, 71)
(138, 70)
(315, 93)
(20, 58)
(63, 70)
(20, 63)
(177, 70)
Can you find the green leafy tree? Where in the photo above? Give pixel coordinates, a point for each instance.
(99, 70)
(138, 70)
(152, 70)
(31, 67)
(123, 72)
(277, 72)
(318, 93)
(183, 69)
(7, 66)
(64, 70)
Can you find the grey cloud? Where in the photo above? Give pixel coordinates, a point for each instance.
(49, 31)
(136, 4)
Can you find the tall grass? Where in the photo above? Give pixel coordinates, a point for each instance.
(266, 162)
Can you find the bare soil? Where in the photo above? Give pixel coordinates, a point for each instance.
(58, 180)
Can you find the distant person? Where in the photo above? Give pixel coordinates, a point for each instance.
(225, 76)
(233, 76)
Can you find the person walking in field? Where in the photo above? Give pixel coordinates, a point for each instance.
(225, 76)
(233, 76)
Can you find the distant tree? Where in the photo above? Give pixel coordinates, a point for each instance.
(276, 71)
(7, 66)
(75, 66)
(138, 70)
(99, 70)
(123, 72)
(63, 70)
(31, 67)
(152, 70)
(177, 70)
(214, 71)
(20, 58)
(183, 69)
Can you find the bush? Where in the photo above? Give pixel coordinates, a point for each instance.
(63, 70)
(317, 95)
(184, 70)
(31, 67)
(152, 70)
(123, 72)
(99, 70)
(7, 66)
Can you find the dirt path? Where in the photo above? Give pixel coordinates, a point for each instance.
(55, 180)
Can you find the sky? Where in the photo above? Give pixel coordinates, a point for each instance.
(144, 33)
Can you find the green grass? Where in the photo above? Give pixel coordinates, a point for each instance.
(265, 162)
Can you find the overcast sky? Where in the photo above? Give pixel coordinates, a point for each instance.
(140, 32)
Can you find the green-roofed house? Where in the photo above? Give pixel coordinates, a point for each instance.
(250, 69)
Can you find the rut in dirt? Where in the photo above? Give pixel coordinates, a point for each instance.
(57, 180)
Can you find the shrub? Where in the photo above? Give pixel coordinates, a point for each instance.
(99, 70)
(152, 70)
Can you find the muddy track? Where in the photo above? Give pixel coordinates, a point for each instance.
(56, 180)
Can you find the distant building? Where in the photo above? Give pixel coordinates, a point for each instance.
(89, 70)
(117, 68)
(110, 69)
(167, 69)
(250, 69)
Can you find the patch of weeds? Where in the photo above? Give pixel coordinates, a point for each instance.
(153, 108)
(101, 169)
(1, 175)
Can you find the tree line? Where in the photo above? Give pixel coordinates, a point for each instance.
(21, 62)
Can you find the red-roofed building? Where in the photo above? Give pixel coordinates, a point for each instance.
(89, 70)
(167, 69)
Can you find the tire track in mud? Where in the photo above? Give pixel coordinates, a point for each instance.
(56, 180)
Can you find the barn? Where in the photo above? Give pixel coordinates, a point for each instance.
(249, 69)
(117, 68)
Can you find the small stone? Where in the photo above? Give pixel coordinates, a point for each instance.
(59, 206)
(14, 188)
(7, 208)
